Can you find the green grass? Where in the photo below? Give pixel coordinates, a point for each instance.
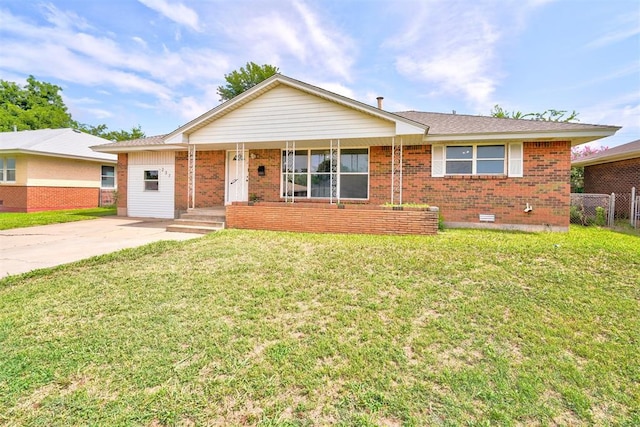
(282, 329)
(9, 220)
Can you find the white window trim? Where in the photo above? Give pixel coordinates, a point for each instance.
(474, 159)
(145, 180)
(115, 178)
(513, 160)
(4, 166)
(309, 173)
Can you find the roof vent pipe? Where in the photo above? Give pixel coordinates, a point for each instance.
(380, 98)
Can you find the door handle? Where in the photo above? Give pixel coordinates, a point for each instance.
(234, 181)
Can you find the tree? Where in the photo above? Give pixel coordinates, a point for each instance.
(550, 115)
(112, 135)
(37, 105)
(240, 80)
(577, 172)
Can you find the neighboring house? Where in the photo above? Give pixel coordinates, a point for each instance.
(615, 170)
(287, 141)
(51, 169)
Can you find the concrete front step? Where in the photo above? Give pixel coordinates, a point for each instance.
(199, 221)
(202, 217)
(200, 229)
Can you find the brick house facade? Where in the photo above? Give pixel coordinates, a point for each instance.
(616, 170)
(54, 169)
(284, 141)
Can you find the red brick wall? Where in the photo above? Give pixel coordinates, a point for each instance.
(122, 170)
(326, 218)
(265, 188)
(210, 179)
(545, 186)
(613, 177)
(54, 198)
(35, 199)
(13, 198)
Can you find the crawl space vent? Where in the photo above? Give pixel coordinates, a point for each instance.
(487, 218)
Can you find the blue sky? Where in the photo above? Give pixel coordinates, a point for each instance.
(157, 63)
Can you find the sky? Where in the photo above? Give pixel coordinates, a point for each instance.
(158, 63)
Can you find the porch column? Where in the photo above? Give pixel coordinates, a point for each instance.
(333, 168)
(289, 169)
(396, 171)
(191, 177)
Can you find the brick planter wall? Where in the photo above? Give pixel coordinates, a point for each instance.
(327, 218)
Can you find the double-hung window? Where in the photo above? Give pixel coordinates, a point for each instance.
(151, 180)
(313, 174)
(7, 169)
(477, 159)
(108, 177)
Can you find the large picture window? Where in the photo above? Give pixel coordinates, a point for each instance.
(475, 160)
(108, 177)
(7, 169)
(311, 175)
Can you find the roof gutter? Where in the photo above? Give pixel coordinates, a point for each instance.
(58, 155)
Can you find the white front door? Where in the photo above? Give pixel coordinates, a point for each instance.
(237, 176)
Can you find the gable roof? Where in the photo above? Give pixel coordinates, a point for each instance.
(67, 143)
(422, 126)
(630, 150)
(404, 125)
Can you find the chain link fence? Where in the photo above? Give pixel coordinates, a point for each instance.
(590, 209)
(606, 210)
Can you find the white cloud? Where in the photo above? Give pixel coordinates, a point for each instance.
(625, 28)
(140, 41)
(290, 33)
(64, 19)
(99, 113)
(621, 111)
(176, 12)
(453, 46)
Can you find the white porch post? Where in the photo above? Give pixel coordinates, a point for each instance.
(333, 171)
(289, 169)
(396, 171)
(191, 176)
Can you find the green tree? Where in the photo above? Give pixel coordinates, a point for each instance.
(37, 105)
(245, 78)
(112, 135)
(550, 115)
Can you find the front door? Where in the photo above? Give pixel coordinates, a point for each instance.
(237, 176)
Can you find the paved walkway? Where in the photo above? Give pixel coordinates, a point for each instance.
(26, 249)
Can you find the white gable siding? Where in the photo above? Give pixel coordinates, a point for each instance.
(151, 204)
(285, 113)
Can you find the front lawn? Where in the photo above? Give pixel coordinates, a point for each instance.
(9, 220)
(264, 328)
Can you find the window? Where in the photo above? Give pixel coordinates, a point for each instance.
(7, 169)
(475, 160)
(151, 180)
(312, 175)
(108, 177)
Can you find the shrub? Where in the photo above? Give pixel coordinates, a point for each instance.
(601, 217)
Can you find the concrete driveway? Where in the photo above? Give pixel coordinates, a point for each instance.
(26, 249)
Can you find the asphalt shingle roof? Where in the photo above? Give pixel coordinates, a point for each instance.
(629, 150)
(456, 124)
(62, 142)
